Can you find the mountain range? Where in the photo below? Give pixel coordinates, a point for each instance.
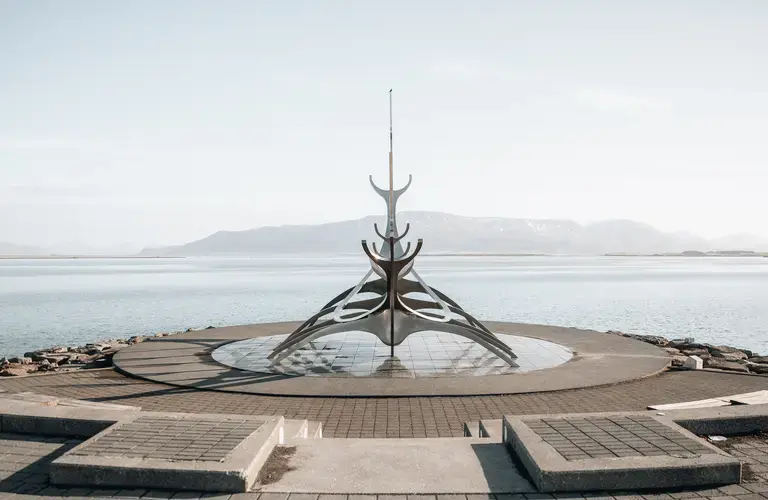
(447, 233)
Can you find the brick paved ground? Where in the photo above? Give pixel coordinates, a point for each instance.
(24, 464)
(389, 417)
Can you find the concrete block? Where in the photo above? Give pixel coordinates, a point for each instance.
(491, 429)
(130, 455)
(294, 429)
(315, 430)
(575, 453)
(693, 363)
(472, 429)
(24, 417)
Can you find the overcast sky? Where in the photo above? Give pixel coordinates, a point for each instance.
(158, 122)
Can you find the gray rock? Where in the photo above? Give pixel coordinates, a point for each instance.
(729, 356)
(730, 350)
(672, 351)
(12, 372)
(701, 352)
(678, 360)
(46, 366)
(722, 364)
(760, 368)
(136, 339)
(684, 344)
(758, 359)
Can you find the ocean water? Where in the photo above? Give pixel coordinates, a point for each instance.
(71, 302)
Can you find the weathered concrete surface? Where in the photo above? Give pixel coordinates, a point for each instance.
(29, 417)
(235, 473)
(400, 466)
(551, 471)
(724, 420)
(184, 360)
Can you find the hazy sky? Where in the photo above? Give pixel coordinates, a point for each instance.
(158, 122)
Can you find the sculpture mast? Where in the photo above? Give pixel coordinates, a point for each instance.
(391, 235)
(391, 175)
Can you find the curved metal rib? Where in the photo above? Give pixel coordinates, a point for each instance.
(340, 306)
(407, 228)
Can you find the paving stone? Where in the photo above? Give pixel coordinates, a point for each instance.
(733, 489)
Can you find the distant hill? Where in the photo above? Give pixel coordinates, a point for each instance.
(446, 233)
(64, 249)
(7, 249)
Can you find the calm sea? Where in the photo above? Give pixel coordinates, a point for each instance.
(71, 302)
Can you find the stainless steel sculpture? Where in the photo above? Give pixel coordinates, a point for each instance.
(392, 315)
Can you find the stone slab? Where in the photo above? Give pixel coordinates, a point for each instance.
(400, 466)
(750, 398)
(172, 451)
(185, 360)
(25, 417)
(725, 420)
(615, 452)
(702, 403)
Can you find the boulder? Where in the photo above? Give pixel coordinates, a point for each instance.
(758, 359)
(722, 364)
(4, 362)
(684, 344)
(136, 339)
(672, 351)
(55, 359)
(728, 356)
(701, 352)
(189, 330)
(760, 368)
(58, 350)
(47, 366)
(730, 350)
(76, 358)
(650, 339)
(12, 372)
(678, 360)
(21, 360)
(209, 327)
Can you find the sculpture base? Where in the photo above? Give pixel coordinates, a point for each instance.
(360, 354)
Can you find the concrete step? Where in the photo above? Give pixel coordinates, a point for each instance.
(491, 429)
(471, 429)
(315, 430)
(397, 466)
(294, 429)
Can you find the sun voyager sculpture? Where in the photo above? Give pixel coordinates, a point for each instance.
(393, 313)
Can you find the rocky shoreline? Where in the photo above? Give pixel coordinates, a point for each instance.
(718, 357)
(99, 355)
(92, 355)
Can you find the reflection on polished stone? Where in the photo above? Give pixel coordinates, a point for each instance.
(360, 354)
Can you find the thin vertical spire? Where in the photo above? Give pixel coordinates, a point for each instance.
(391, 174)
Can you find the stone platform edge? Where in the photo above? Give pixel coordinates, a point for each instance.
(185, 360)
(551, 472)
(235, 474)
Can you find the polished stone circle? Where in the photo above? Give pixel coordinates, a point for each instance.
(360, 354)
